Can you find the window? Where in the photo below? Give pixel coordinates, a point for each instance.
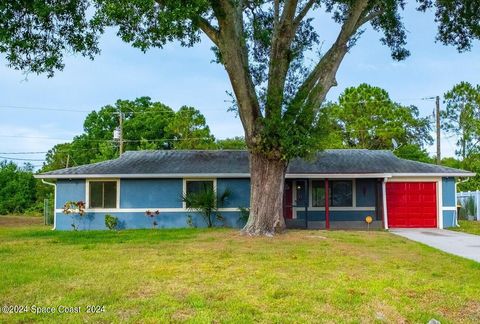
(318, 193)
(341, 193)
(103, 194)
(194, 186)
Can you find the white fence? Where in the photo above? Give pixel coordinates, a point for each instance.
(470, 204)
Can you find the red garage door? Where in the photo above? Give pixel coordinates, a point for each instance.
(412, 204)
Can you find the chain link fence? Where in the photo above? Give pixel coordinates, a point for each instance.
(468, 203)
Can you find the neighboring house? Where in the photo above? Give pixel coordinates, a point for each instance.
(337, 189)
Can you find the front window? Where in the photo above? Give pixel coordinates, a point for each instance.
(318, 193)
(103, 194)
(341, 193)
(196, 186)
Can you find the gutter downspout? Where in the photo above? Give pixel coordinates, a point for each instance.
(54, 201)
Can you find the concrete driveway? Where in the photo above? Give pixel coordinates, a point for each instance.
(461, 244)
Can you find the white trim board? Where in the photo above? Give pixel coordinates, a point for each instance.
(143, 210)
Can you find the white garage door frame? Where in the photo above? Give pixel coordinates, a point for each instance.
(438, 181)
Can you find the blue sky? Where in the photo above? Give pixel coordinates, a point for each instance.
(180, 76)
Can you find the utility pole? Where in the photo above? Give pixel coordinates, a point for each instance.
(120, 135)
(437, 117)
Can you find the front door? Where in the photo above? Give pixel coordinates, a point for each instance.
(287, 200)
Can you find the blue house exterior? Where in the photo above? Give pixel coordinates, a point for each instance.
(337, 190)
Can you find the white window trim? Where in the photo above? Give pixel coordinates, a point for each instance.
(184, 189)
(87, 193)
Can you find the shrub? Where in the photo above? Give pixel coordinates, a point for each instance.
(206, 203)
(111, 222)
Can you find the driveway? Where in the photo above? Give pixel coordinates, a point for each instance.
(461, 244)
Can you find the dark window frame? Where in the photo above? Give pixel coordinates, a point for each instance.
(320, 184)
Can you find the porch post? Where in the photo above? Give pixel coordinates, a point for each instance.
(327, 207)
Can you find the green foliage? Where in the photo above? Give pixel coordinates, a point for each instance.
(365, 117)
(244, 214)
(17, 188)
(206, 202)
(462, 117)
(235, 143)
(111, 222)
(147, 126)
(458, 21)
(190, 130)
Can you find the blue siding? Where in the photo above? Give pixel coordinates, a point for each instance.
(449, 218)
(69, 190)
(96, 221)
(240, 192)
(151, 193)
(448, 192)
(313, 215)
(365, 192)
(336, 215)
(350, 215)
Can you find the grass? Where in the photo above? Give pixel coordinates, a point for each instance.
(201, 276)
(466, 226)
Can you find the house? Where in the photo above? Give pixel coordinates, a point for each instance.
(337, 189)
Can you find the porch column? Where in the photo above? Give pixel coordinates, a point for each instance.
(327, 207)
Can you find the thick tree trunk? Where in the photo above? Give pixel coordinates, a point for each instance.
(267, 177)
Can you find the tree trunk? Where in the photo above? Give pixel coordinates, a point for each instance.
(267, 178)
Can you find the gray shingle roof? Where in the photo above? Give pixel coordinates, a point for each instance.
(232, 162)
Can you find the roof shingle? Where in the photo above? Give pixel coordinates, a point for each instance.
(347, 161)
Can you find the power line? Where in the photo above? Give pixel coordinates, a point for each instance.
(20, 159)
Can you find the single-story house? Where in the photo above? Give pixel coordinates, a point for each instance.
(336, 189)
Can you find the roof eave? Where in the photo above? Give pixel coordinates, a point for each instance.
(247, 175)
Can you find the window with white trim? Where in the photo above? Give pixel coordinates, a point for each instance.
(102, 194)
(195, 186)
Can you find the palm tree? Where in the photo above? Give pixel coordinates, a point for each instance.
(206, 203)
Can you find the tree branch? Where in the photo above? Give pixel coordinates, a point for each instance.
(283, 35)
(233, 48)
(201, 22)
(314, 89)
(303, 12)
(208, 29)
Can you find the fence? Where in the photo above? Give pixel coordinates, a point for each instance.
(48, 211)
(469, 202)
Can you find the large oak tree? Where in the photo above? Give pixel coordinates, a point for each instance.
(262, 45)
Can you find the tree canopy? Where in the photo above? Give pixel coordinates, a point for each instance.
(17, 188)
(462, 117)
(365, 117)
(146, 125)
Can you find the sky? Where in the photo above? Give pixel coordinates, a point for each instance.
(178, 76)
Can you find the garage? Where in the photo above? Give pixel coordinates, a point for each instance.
(412, 204)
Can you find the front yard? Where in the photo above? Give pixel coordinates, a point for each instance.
(218, 275)
(472, 227)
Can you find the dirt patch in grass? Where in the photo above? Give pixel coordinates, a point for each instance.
(20, 221)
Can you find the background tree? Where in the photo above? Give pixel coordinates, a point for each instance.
(261, 44)
(462, 117)
(190, 130)
(147, 126)
(365, 117)
(17, 188)
(234, 143)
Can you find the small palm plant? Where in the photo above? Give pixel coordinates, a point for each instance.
(206, 202)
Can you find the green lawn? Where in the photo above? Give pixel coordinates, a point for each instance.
(472, 227)
(219, 276)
